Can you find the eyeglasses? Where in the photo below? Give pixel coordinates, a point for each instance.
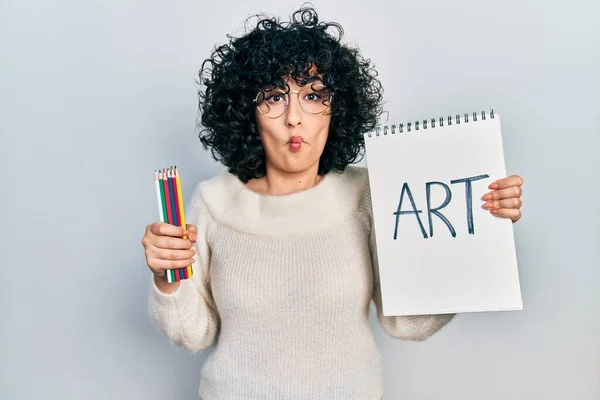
(273, 102)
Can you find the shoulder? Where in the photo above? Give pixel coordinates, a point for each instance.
(217, 189)
(206, 194)
(364, 203)
(356, 181)
(355, 176)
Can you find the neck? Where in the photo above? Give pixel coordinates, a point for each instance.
(280, 182)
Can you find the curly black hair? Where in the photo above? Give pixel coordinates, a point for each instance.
(236, 71)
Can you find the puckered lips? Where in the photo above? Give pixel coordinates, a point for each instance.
(295, 143)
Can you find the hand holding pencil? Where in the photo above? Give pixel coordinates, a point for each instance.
(166, 241)
(167, 250)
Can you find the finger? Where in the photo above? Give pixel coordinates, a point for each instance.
(192, 232)
(166, 229)
(171, 254)
(158, 264)
(513, 202)
(512, 180)
(513, 214)
(167, 242)
(512, 191)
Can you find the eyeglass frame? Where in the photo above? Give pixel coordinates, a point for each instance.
(287, 103)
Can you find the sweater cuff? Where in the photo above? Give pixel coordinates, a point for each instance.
(185, 289)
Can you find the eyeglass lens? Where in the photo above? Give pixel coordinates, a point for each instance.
(314, 99)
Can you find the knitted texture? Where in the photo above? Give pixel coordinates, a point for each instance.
(282, 287)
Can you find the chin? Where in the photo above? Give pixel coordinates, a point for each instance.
(295, 164)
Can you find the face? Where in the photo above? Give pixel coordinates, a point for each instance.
(294, 141)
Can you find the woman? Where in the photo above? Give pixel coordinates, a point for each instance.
(282, 244)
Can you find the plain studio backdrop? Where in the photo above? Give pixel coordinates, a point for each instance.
(95, 95)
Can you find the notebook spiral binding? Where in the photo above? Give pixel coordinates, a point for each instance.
(423, 124)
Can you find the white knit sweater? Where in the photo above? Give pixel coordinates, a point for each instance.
(282, 287)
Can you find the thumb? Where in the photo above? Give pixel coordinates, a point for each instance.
(192, 232)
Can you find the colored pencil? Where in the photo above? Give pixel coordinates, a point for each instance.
(167, 197)
(162, 197)
(164, 218)
(169, 211)
(180, 210)
(158, 196)
(159, 199)
(174, 210)
(182, 271)
(182, 214)
(172, 197)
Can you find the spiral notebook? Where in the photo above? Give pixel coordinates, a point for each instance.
(438, 250)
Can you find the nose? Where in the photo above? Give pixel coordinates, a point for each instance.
(294, 112)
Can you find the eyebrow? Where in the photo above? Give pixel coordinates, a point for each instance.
(285, 87)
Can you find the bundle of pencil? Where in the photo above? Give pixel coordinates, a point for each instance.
(170, 210)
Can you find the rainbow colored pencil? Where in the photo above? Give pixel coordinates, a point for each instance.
(171, 210)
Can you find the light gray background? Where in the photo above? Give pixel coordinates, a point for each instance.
(94, 95)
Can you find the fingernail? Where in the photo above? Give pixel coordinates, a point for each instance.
(487, 206)
(494, 211)
(488, 196)
(493, 186)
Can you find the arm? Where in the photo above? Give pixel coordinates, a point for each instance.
(414, 327)
(187, 315)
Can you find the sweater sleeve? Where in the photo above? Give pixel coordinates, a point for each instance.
(188, 317)
(410, 327)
